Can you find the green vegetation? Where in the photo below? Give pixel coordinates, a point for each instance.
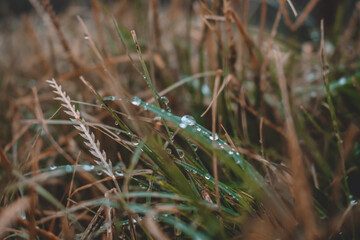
(179, 121)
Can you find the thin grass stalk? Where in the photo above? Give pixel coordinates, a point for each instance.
(245, 13)
(266, 55)
(155, 21)
(213, 127)
(223, 85)
(345, 38)
(248, 42)
(99, 98)
(35, 43)
(262, 22)
(304, 206)
(65, 44)
(72, 181)
(292, 7)
(255, 113)
(233, 52)
(109, 216)
(341, 172)
(98, 26)
(111, 80)
(148, 80)
(244, 116)
(304, 14)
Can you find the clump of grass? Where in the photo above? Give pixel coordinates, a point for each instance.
(151, 162)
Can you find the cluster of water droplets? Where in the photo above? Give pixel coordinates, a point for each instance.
(217, 143)
(86, 167)
(189, 121)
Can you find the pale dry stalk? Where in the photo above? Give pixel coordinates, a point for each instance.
(90, 140)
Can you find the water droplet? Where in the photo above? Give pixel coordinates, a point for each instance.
(196, 83)
(311, 77)
(119, 173)
(205, 89)
(329, 48)
(207, 176)
(136, 101)
(42, 133)
(315, 36)
(86, 37)
(117, 132)
(120, 165)
(68, 168)
(195, 147)
(157, 118)
(198, 129)
(116, 123)
(342, 81)
(214, 138)
(353, 202)
(182, 125)
(188, 120)
(146, 106)
(110, 98)
(23, 216)
(99, 173)
(230, 152)
(53, 167)
(180, 152)
(88, 167)
(165, 100)
(237, 154)
(135, 140)
(168, 150)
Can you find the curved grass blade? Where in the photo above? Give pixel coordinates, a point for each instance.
(229, 156)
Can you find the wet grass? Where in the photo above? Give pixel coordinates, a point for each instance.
(193, 124)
